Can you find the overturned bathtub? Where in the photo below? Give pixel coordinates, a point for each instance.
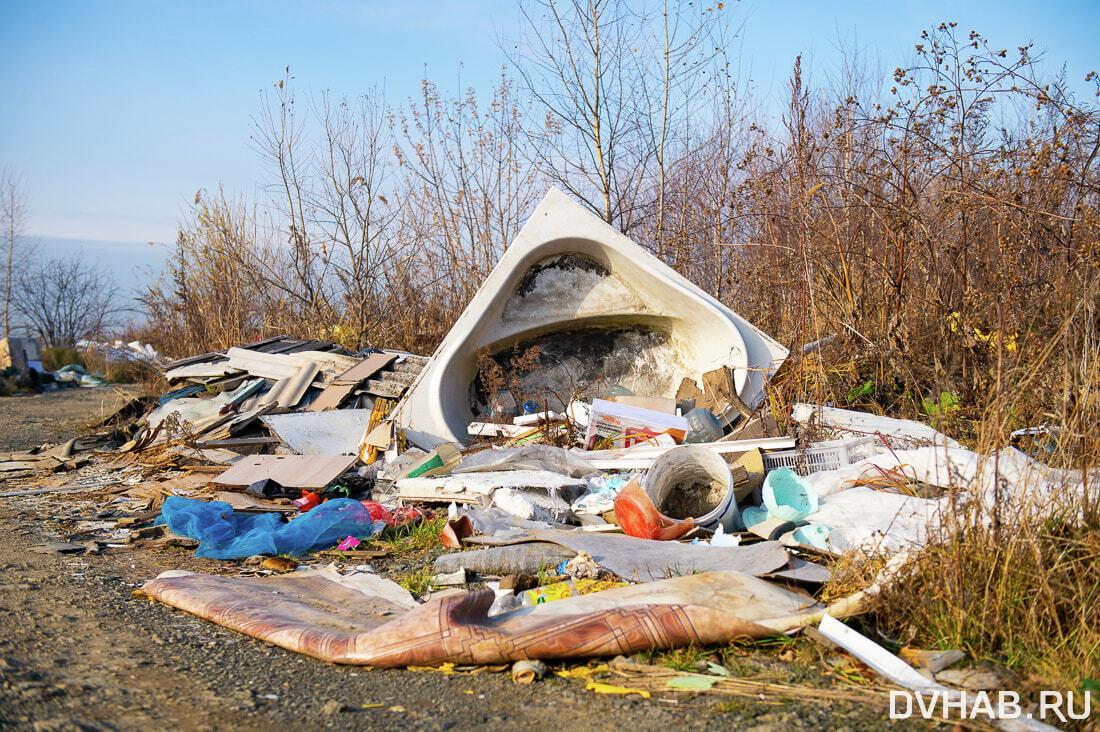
(592, 309)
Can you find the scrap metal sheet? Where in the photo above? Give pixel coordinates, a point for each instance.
(336, 432)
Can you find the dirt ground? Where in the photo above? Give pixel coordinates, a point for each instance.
(80, 651)
(55, 416)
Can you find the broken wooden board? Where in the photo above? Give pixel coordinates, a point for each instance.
(248, 504)
(311, 472)
(343, 385)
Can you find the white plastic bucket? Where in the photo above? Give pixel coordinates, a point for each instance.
(687, 477)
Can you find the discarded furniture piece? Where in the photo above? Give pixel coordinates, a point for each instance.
(598, 308)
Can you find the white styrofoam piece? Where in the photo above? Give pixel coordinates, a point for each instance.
(900, 433)
(527, 420)
(492, 429)
(639, 290)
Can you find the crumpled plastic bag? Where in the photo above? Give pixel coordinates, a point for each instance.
(528, 457)
(226, 534)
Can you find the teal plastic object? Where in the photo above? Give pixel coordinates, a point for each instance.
(787, 496)
(815, 535)
(753, 515)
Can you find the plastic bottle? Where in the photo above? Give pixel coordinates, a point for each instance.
(703, 426)
(503, 409)
(439, 461)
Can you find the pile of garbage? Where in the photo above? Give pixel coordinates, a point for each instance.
(117, 350)
(627, 488)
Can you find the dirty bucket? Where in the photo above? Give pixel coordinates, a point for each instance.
(690, 482)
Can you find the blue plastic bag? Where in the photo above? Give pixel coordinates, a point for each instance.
(225, 534)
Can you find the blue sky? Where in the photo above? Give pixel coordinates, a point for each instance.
(115, 113)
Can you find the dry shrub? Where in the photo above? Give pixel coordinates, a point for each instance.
(54, 357)
(1027, 596)
(1018, 582)
(376, 231)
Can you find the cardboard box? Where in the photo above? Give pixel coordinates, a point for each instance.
(613, 425)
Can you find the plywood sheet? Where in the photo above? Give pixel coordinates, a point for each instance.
(310, 472)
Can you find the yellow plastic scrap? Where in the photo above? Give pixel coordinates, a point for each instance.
(447, 668)
(610, 689)
(563, 590)
(582, 672)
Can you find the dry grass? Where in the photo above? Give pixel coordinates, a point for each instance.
(1018, 582)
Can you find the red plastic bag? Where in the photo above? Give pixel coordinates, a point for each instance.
(378, 512)
(639, 517)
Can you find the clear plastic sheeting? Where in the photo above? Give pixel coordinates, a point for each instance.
(885, 522)
(528, 457)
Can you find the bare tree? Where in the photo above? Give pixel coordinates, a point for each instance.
(618, 89)
(66, 299)
(13, 222)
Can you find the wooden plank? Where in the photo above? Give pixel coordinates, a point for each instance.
(331, 398)
(241, 441)
(366, 368)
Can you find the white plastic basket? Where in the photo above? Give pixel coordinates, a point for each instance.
(823, 455)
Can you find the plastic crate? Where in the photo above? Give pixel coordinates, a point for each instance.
(823, 455)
